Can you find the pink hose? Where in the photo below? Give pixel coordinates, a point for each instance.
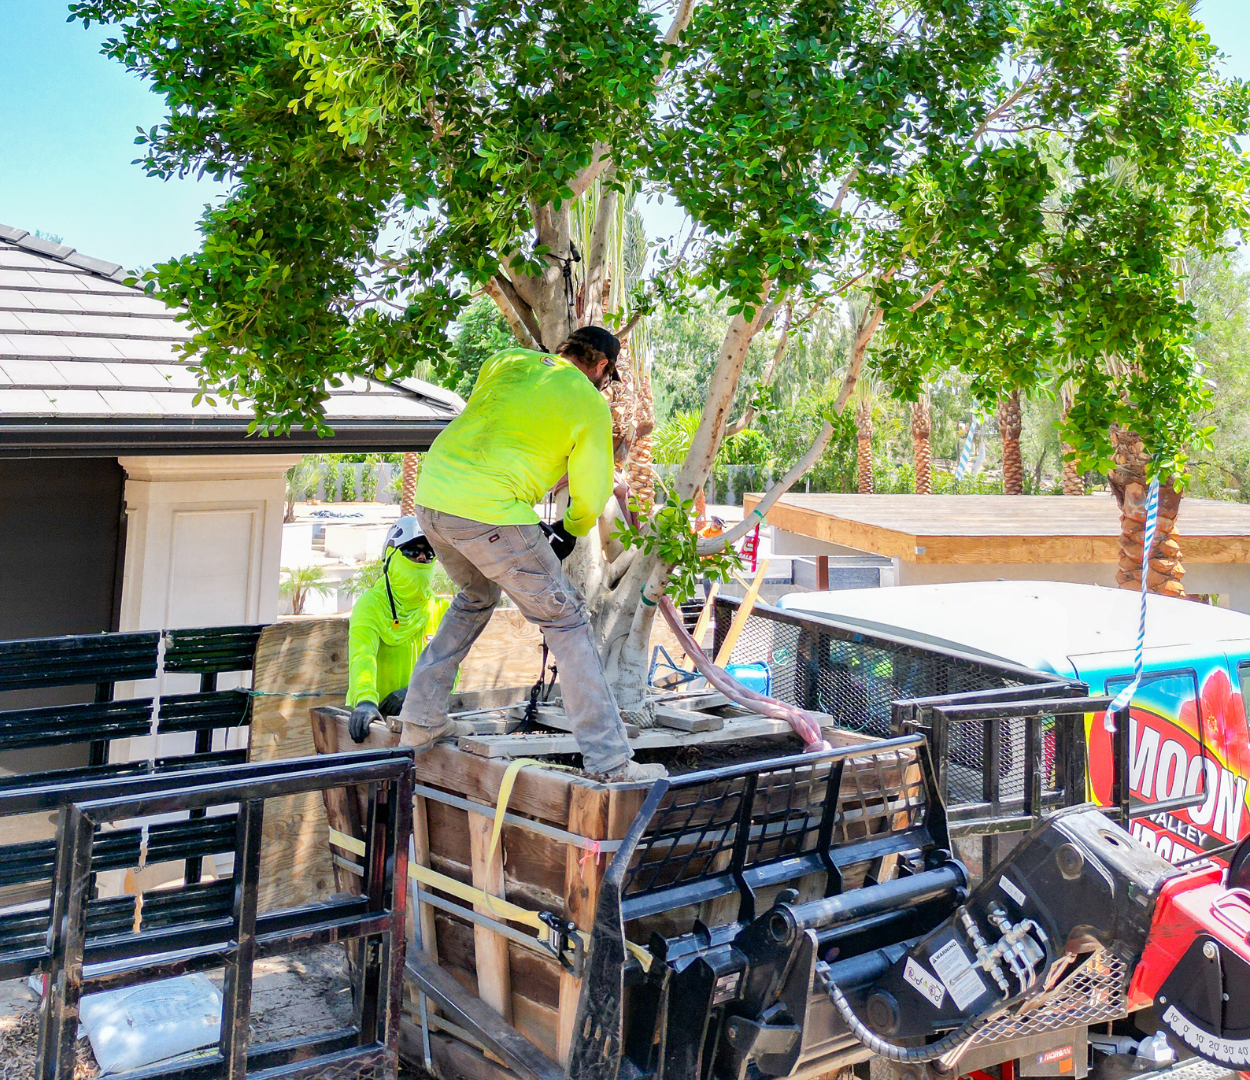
(806, 724)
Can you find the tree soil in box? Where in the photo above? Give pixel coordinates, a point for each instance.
(544, 872)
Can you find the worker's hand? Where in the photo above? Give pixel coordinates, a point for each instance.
(362, 716)
(394, 701)
(561, 542)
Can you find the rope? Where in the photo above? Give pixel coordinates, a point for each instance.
(281, 693)
(1122, 699)
(965, 454)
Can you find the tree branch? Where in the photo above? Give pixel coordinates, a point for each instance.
(719, 543)
(868, 323)
(720, 395)
(637, 315)
(845, 189)
(929, 294)
(600, 159)
(744, 421)
(597, 256)
(521, 306)
(1006, 104)
(518, 326)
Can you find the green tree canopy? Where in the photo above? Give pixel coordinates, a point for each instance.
(388, 158)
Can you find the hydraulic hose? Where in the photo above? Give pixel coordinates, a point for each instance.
(806, 724)
(904, 1054)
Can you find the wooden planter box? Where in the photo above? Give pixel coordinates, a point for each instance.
(529, 990)
(539, 871)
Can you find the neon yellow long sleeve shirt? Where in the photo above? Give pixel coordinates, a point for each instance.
(381, 652)
(531, 418)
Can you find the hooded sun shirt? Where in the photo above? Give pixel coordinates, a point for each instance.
(532, 417)
(384, 653)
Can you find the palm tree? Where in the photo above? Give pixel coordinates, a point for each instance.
(1129, 483)
(1073, 481)
(408, 485)
(1009, 427)
(921, 449)
(864, 400)
(301, 582)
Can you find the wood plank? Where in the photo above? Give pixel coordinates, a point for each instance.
(506, 746)
(700, 627)
(470, 1013)
(295, 658)
(740, 616)
(421, 856)
(342, 810)
(686, 719)
(490, 949)
(583, 874)
(540, 793)
(508, 654)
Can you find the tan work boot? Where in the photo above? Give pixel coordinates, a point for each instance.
(631, 772)
(420, 737)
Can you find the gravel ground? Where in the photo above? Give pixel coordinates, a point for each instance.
(300, 994)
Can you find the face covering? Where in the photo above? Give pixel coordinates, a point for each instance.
(409, 592)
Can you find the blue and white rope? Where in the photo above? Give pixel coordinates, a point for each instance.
(965, 455)
(1152, 520)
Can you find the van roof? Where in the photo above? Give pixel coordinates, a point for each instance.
(1038, 624)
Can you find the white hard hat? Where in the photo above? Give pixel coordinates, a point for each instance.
(406, 536)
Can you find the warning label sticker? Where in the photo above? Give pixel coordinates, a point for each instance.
(916, 975)
(1011, 889)
(957, 973)
(726, 988)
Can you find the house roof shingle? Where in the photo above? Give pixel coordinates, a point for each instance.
(90, 365)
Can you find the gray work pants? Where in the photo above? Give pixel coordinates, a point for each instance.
(516, 559)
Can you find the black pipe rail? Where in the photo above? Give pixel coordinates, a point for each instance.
(92, 945)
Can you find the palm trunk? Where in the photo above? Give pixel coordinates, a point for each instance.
(641, 473)
(408, 485)
(863, 456)
(1129, 483)
(1072, 480)
(1009, 427)
(922, 451)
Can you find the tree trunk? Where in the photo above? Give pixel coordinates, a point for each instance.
(863, 435)
(408, 485)
(641, 471)
(1129, 483)
(1072, 481)
(1009, 426)
(922, 451)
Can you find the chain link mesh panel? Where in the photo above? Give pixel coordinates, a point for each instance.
(855, 677)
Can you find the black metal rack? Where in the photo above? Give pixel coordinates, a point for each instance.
(92, 945)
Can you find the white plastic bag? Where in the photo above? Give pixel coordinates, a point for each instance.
(138, 1025)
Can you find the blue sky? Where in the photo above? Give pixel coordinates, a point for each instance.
(67, 127)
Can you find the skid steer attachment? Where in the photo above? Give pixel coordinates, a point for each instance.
(852, 931)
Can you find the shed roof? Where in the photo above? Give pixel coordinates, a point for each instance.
(1019, 529)
(90, 366)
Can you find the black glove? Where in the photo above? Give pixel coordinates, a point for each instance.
(362, 716)
(394, 701)
(561, 542)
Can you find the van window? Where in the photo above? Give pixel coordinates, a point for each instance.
(1167, 748)
(1170, 689)
(1243, 678)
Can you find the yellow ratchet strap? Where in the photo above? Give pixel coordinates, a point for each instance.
(495, 905)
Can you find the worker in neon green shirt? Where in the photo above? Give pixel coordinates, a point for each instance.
(390, 626)
(532, 418)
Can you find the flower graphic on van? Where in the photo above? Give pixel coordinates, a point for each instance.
(1225, 729)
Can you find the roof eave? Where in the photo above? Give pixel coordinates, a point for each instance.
(30, 437)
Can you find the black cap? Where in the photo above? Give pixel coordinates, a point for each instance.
(598, 338)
